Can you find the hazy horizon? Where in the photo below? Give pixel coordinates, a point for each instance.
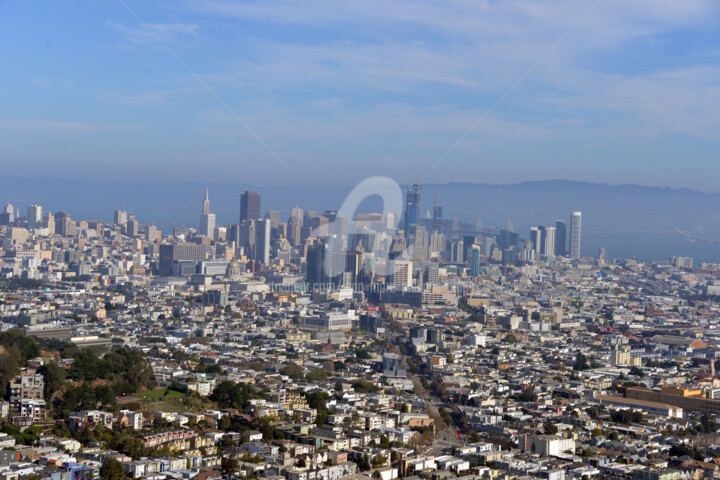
(283, 93)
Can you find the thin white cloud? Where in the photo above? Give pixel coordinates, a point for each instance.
(149, 33)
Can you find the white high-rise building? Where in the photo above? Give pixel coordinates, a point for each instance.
(207, 219)
(548, 241)
(34, 216)
(457, 251)
(575, 230)
(120, 217)
(262, 241)
(402, 273)
(536, 239)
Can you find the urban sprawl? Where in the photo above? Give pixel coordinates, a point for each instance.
(317, 347)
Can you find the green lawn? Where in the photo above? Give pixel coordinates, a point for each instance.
(159, 393)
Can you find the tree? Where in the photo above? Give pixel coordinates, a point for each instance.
(112, 470)
(230, 465)
(54, 377)
(293, 371)
(360, 385)
(316, 375)
(528, 395)
(30, 435)
(234, 395)
(445, 416)
(362, 354)
(707, 424)
(626, 417)
(134, 447)
(550, 428)
(581, 362)
(318, 401)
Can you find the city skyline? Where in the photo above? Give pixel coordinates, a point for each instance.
(360, 240)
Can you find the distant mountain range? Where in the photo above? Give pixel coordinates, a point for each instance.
(609, 208)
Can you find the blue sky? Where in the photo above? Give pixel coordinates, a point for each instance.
(331, 92)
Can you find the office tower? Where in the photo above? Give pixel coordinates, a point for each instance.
(249, 206)
(560, 238)
(420, 243)
(171, 253)
(274, 217)
(132, 228)
(34, 216)
(353, 265)
(548, 241)
(602, 256)
(510, 256)
(308, 218)
(262, 241)
(438, 243)
(487, 248)
(338, 226)
(468, 242)
(479, 225)
(575, 230)
(150, 233)
(475, 261)
(507, 239)
(390, 221)
(294, 231)
(402, 273)
(536, 239)
(331, 215)
(432, 274)
(246, 239)
(64, 225)
(682, 262)
(49, 223)
(412, 206)
(334, 264)
(206, 203)
(207, 219)
(233, 235)
(320, 227)
(7, 217)
(457, 251)
(120, 217)
(297, 212)
(315, 267)
(437, 216)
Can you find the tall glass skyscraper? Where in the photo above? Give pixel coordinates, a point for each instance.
(412, 207)
(575, 229)
(475, 261)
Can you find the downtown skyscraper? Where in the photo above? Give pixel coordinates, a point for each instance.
(207, 219)
(412, 207)
(575, 231)
(249, 206)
